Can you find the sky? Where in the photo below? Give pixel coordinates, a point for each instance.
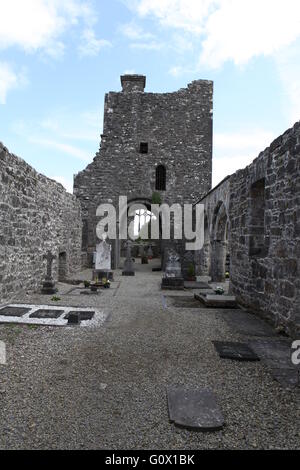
(58, 58)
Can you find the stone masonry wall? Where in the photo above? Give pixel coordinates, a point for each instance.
(178, 129)
(36, 215)
(262, 202)
(265, 258)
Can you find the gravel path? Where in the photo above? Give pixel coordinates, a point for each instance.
(105, 387)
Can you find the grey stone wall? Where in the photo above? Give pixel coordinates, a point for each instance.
(178, 129)
(267, 278)
(262, 205)
(36, 215)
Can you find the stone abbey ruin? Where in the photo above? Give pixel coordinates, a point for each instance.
(162, 143)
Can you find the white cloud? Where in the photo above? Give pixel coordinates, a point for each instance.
(135, 32)
(149, 46)
(128, 72)
(90, 45)
(62, 147)
(67, 184)
(9, 80)
(229, 29)
(288, 66)
(235, 31)
(233, 151)
(189, 15)
(86, 126)
(240, 30)
(176, 70)
(37, 24)
(73, 134)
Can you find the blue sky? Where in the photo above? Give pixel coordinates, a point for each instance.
(58, 58)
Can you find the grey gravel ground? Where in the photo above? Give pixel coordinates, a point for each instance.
(105, 387)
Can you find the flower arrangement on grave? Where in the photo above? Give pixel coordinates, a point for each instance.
(219, 291)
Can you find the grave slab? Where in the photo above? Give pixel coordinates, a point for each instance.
(73, 318)
(235, 351)
(14, 311)
(248, 324)
(287, 377)
(43, 313)
(83, 315)
(276, 354)
(88, 316)
(217, 301)
(194, 409)
(172, 283)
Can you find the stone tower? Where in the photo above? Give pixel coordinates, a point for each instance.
(151, 142)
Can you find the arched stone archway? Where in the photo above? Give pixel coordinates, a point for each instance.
(202, 257)
(131, 212)
(219, 243)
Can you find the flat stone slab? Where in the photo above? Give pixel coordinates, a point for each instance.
(248, 324)
(46, 315)
(277, 355)
(83, 315)
(217, 301)
(13, 311)
(235, 351)
(194, 409)
(287, 377)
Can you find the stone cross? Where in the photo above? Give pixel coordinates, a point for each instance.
(50, 258)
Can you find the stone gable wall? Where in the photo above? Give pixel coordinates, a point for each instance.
(178, 129)
(36, 215)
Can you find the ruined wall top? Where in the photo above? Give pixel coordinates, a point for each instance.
(133, 83)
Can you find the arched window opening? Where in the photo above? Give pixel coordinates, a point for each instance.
(161, 176)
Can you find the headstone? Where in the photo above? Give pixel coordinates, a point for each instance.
(194, 409)
(103, 256)
(235, 351)
(103, 261)
(49, 284)
(173, 279)
(144, 257)
(128, 265)
(150, 252)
